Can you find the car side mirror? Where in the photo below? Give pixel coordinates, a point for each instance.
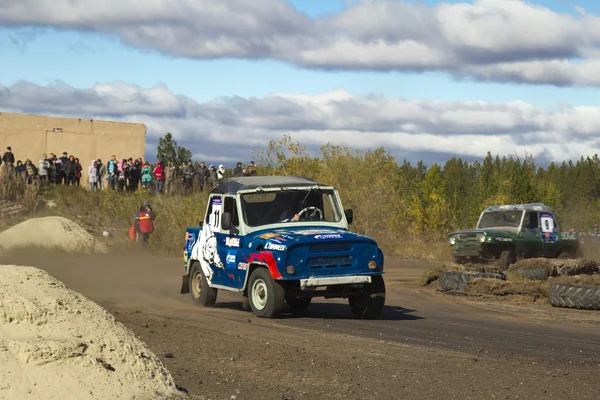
(349, 215)
(226, 221)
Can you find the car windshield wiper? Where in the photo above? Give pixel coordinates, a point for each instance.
(303, 203)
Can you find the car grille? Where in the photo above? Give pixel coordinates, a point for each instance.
(330, 262)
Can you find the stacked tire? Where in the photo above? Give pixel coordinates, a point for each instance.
(573, 296)
(459, 280)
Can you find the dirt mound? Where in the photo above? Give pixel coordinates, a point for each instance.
(55, 343)
(433, 274)
(498, 287)
(51, 233)
(534, 263)
(583, 280)
(558, 267)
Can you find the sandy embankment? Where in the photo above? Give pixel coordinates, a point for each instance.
(51, 233)
(55, 343)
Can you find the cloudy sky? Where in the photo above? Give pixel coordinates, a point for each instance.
(425, 79)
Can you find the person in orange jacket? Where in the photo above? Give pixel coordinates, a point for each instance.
(143, 224)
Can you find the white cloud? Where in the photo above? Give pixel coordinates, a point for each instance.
(497, 40)
(231, 128)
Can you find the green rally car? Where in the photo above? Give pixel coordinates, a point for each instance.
(508, 232)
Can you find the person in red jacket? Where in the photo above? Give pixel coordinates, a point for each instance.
(143, 225)
(159, 177)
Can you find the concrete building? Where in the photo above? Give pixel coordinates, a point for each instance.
(30, 136)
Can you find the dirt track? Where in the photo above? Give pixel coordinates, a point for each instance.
(425, 346)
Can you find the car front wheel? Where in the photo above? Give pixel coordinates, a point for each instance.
(369, 304)
(266, 296)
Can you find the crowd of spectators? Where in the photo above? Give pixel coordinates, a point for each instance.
(119, 174)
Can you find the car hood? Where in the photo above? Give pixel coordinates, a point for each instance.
(489, 232)
(291, 236)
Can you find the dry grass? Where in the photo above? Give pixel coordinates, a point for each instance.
(581, 280)
(175, 213)
(114, 212)
(414, 249)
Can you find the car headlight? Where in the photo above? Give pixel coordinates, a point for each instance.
(481, 238)
(452, 241)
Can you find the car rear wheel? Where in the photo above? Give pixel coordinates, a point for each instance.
(266, 296)
(369, 304)
(202, 294)
(565, 255)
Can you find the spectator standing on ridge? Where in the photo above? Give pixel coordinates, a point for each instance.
(169, 178)
(203, 175)
(252, 169)
(100, 173)
(135, 174)
(64, 161)
(8, 156)
(147, 176)
(237, 171)
(212, 177)
(20, 170)
(54, 172)
(188, 176)
(31, 172)
(93, 175)
(113, 172)
(43, 166)
(70, 169)
(221, 172)
(123, 175)
(159, 177)
(79, 168)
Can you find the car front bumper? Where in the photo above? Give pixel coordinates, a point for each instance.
(335, 280)
(468, 253)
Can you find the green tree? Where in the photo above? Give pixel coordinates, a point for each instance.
(429, 208)
(169, 150)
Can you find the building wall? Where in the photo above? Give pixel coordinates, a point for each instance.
(30, 136)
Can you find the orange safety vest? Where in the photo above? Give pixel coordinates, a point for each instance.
(145, 223)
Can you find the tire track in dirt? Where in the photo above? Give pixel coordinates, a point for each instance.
(425, 346)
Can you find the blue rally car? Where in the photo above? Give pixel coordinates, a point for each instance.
(277, 240)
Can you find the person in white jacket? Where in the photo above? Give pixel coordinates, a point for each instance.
(43, 167)
(93, 176)
(221, 172)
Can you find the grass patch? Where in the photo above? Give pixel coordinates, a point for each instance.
(114, 212)
(415, 249)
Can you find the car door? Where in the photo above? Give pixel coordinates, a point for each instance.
(550, 232)
(230, 245)
(531, 239)
(211, 236)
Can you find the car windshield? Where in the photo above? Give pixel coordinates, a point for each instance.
(268, 208)
(494, 219)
